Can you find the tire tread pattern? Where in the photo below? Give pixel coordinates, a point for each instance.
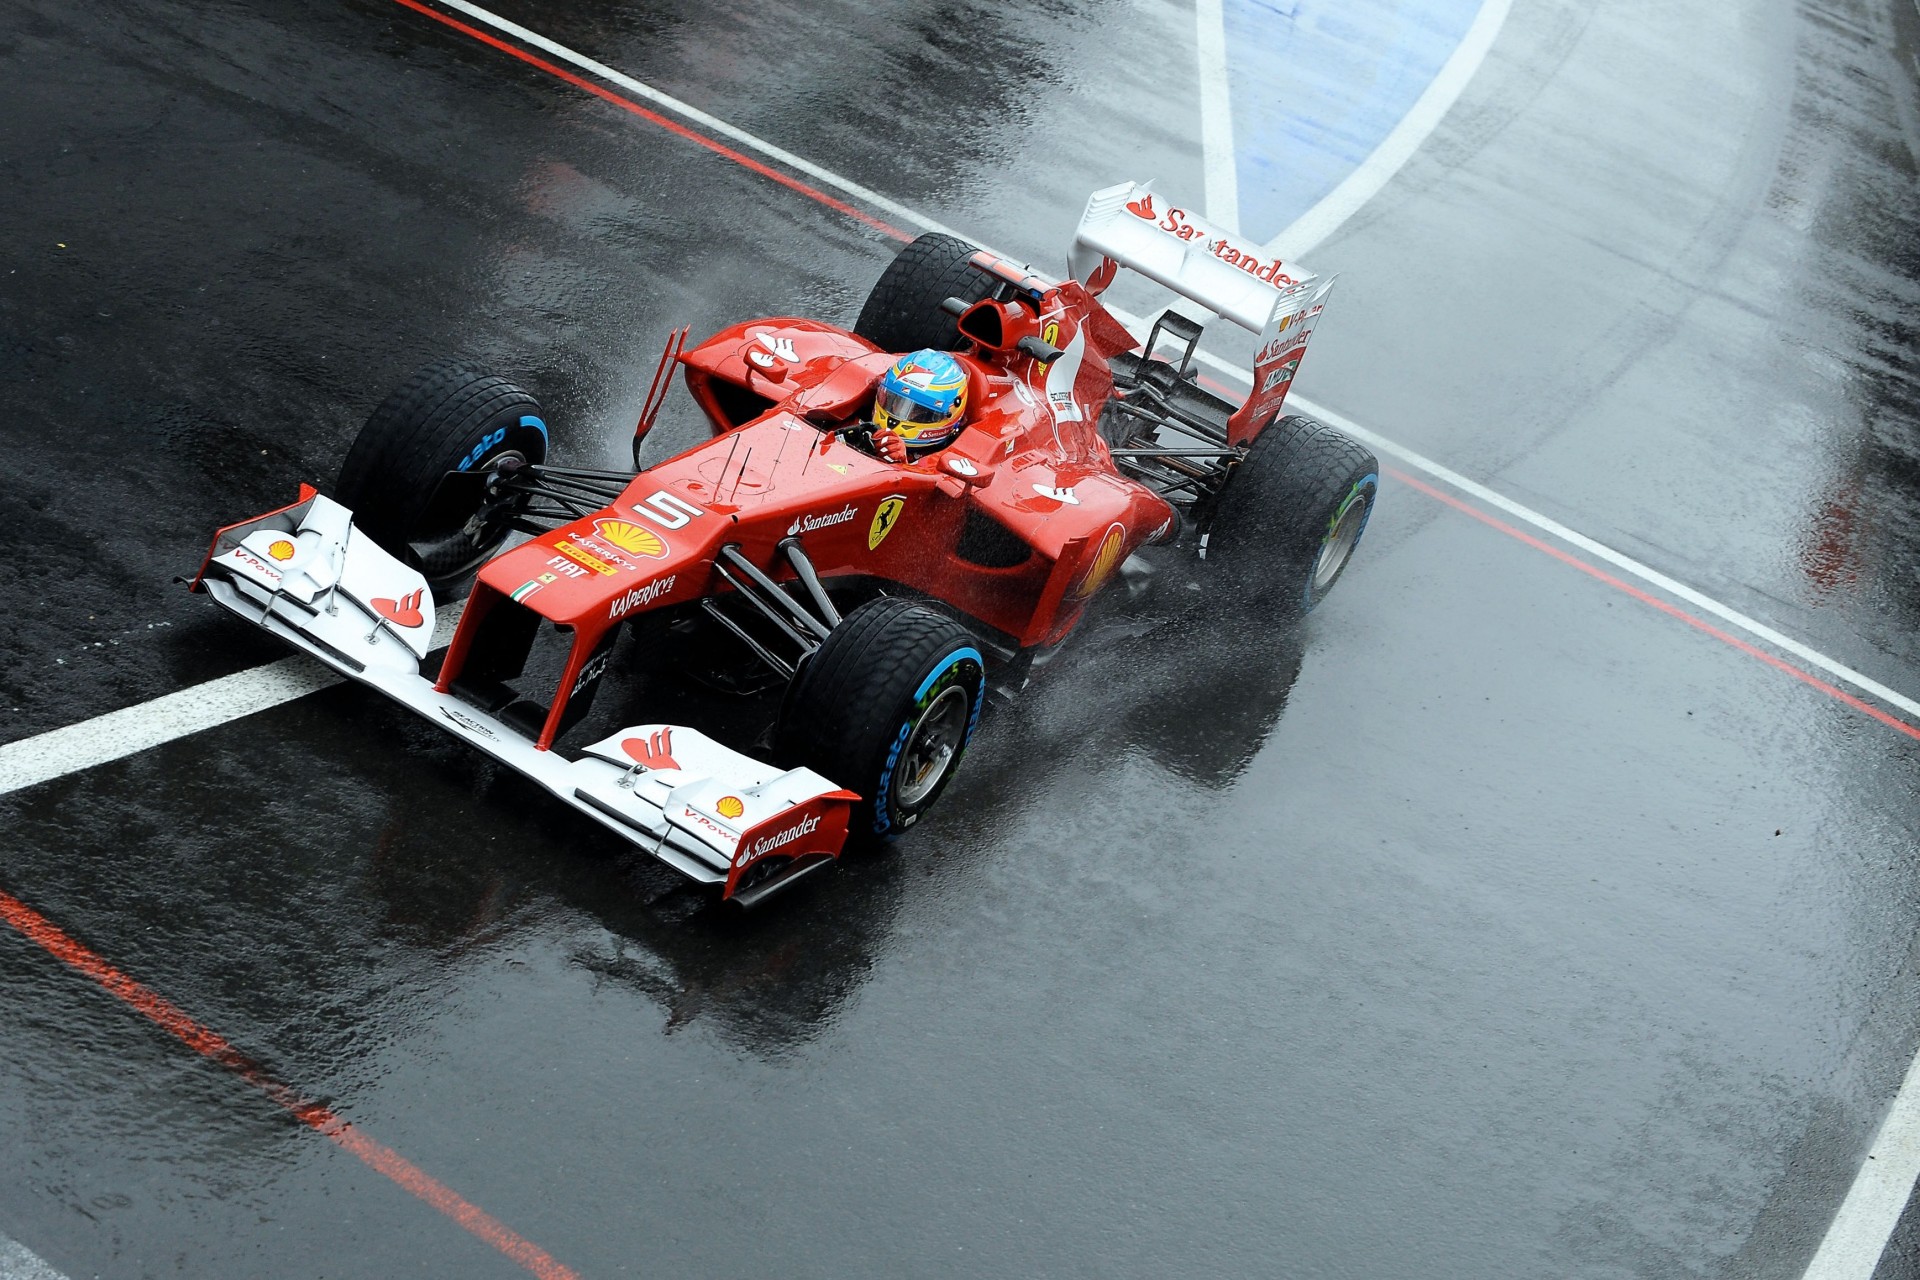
(1272, 515)
(903, 311)
(417, 434)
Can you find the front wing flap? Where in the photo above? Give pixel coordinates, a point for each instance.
(309, 576)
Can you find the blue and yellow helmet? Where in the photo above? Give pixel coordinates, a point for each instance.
(923, 398)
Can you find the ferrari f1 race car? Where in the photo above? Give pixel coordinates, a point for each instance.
(884, 595)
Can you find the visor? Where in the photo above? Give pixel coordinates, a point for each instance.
(899, 408)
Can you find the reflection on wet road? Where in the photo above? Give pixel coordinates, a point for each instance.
(1489, 924)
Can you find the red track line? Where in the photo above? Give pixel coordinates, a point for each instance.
(1673, 611)
(168, 1016)
(674, 126)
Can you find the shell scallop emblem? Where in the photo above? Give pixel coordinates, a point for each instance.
(729, 807)
(635, 539)
(1105, 561)
(280, 549)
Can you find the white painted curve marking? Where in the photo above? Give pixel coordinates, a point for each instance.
(1220, 172)
(1306, 232)
(1328, 215)
(17, 1262)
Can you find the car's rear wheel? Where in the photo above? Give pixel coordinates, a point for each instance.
(1284, 528)
(415, 476)
(903, 311)
(886, 707)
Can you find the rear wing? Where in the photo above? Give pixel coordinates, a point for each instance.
(1131, 226)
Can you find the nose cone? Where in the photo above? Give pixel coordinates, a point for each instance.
(601, 568)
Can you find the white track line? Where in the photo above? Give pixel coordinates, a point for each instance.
(1216, 116)
(1360, 186)
(17, 1262)
(131, 730)
(1858, 1235)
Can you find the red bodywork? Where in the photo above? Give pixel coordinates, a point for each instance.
(1016, 524)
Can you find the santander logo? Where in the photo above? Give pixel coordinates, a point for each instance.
(807, 524)
(1176, 223)
(780, 839)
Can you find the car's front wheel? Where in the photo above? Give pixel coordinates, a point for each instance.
(886, 707)
(414, 477)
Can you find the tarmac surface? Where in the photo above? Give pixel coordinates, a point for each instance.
(1491, 923)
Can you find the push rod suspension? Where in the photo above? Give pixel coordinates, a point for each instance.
(746, 591)
(621, 478)
(731, 554)
(566, 501)
(803, 569)
(1162, 412)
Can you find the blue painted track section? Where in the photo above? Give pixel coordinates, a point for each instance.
(1316, 85)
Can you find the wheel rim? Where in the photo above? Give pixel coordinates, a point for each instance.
(451, 552)
(936, 739)
(1339, 544)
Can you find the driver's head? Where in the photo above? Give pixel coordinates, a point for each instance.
(923, 400)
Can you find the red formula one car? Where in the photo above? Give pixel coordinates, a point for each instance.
(884, 596)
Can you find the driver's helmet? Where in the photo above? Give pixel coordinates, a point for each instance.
(923, 398)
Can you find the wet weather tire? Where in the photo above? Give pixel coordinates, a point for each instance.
(903, 311)
(452, 416)
(886, 707)
(1285, 526)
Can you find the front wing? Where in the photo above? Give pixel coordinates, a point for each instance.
(309, 576)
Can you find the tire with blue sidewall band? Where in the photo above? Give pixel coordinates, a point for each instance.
(850, 712)
(451, 416)
(1302, 488)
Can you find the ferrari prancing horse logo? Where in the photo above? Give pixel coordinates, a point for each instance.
(885, 516)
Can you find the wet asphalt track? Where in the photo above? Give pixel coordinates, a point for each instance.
(1492, 924)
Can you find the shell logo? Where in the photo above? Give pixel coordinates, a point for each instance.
(1105, 561)
(633, 538)
(280, 549)
(729, 807)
